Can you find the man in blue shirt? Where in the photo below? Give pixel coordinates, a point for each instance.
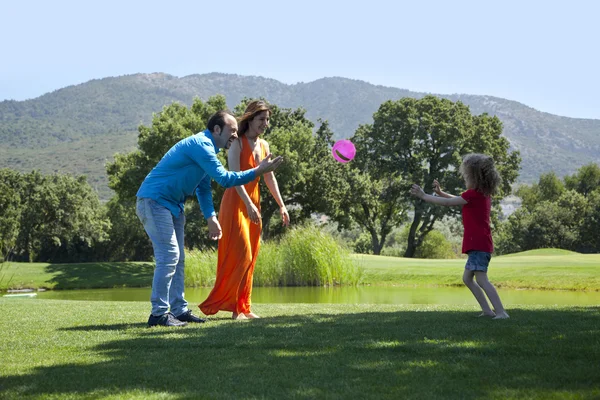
(186, 168)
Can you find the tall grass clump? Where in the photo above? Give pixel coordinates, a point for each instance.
(306, 256)
(200, 268)
(269, 265)
(4, 265)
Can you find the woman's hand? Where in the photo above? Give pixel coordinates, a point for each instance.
(253, 213)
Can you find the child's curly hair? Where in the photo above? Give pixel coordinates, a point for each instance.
(479, 170)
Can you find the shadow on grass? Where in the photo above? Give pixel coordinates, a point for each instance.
(101, 275)
(108, 327)
(400, 355)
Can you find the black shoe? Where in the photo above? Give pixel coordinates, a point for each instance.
(189, 317)
(167, 319)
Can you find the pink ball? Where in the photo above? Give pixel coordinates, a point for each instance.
(343, 151)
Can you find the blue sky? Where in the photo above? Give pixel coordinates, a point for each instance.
(544, 54)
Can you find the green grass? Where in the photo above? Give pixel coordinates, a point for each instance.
(78, 350)
(571, 271)
(76, 275)
(200, 268)
(543, 252)
(304, 257)
(530, 270)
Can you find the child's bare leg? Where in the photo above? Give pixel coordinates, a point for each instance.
(477, 292)
(492, 294)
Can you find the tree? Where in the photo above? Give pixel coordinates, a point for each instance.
(417, 141)
(127, 239)
(61, 219)
(556, 214)
(10, 210)
(373, 202)
(348, 193)
(549, 188)
(589, 233)
(174, 123)
(585, 180)
(290, 134)
(300, 178)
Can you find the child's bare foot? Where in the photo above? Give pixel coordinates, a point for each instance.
(487, 314)
(502, 315)
(251, 315)
(238, 316)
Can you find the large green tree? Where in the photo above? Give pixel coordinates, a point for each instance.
(290, 134)
(365, 198)
(417, 141)
(127, 172)
(306, 154)
(585, 180)
(174, 123)
(10, 210)
(549, 188)
(61, 219)
(556, 214)
(589, 233)
(127, 238)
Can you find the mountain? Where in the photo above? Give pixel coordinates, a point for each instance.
(78, 129)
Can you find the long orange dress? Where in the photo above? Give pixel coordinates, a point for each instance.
(239, 245)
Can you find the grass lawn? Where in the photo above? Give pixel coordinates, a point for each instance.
(79, 349)
(539, 269)
(76, 276)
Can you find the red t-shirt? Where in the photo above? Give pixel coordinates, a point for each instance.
(476, 222)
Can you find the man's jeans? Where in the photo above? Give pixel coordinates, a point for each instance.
(166, 233)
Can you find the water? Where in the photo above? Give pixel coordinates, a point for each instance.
(347, 295)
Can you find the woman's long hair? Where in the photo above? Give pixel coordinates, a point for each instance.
(252, 110)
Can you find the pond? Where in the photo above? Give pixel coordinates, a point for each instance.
(347, 295)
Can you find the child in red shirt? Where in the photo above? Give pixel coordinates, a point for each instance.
(482, 180)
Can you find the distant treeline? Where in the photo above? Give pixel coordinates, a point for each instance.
(59, 218)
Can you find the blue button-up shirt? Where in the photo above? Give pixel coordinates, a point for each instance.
(187, 167)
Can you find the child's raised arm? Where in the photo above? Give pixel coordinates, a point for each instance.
(416, 191)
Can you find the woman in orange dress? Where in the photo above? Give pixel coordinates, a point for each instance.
(240, 219)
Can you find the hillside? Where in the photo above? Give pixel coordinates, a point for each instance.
(78, 128)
